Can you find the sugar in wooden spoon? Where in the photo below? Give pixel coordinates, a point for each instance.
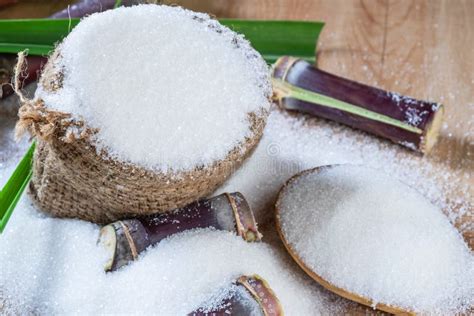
(376, 241)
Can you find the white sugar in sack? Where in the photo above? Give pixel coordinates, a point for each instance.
(167, 88)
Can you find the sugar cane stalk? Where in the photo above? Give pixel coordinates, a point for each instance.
(124, 240)
(299, 86)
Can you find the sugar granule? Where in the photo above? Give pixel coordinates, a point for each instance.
(168, 88)
(374, 236)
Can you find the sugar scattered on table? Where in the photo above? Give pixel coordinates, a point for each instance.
(292, 143)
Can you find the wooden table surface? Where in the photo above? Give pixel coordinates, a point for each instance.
(421, 48)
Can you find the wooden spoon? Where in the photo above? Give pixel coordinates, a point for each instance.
(331, 287)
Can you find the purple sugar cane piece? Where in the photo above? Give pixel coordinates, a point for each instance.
(299, 86)
(124, 240)
(83, 8)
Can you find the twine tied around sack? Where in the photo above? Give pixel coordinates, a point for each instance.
(39, 121)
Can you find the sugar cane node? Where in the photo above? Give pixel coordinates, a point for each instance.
(300, 86)
(244, 218)
(249, 295)
(262, 292)
(124, 240)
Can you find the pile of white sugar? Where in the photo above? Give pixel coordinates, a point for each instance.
(168, 88)
(53, 266)
(374, 236)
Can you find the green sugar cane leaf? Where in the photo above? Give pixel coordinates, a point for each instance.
(25, 32)
(271, 38)
(277, 38)
(13, 189)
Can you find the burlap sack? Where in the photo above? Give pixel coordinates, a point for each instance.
(70, 179)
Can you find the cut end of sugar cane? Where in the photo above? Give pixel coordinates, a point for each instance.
(123, 241)
(117, 246)
(246, 226)
(433, 130)
(108, 241)
(299, 86)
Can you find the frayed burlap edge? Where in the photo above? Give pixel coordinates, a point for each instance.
(72, 180)
(34, 117)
